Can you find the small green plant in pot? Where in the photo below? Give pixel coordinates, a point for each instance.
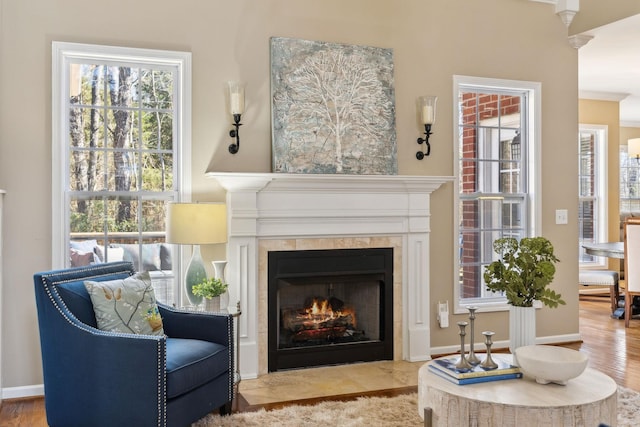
(524, 271)
(210, 288)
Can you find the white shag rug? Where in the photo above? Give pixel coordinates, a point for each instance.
(399, 411)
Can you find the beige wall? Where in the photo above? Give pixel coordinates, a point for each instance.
(432, 41)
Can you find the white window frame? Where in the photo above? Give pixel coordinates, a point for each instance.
(533, 176)
(601, 193)
(62, 55)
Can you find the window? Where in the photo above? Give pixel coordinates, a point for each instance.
(120, 143)
(629, 183)
(497, 132)
(592, 186)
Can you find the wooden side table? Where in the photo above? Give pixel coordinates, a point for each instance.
(589, 400)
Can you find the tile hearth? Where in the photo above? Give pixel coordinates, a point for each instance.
(313, 383)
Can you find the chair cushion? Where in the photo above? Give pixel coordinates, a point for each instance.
(126, 305)
(598, 277)
(192, 363)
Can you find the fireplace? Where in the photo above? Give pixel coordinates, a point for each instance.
(329, 307)
(280, 212)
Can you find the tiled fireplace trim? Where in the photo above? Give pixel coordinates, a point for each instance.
(324, 210)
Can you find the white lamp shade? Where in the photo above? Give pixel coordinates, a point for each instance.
(633, 147)
(196, 223)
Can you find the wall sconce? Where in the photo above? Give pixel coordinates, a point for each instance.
(236, 106)
(427, 112)
(633, 148)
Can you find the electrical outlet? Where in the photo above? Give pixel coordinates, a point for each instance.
(443, 314)
(562, 216)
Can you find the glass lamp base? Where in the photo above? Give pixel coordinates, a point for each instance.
(196, 274)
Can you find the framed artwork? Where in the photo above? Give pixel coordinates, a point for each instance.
(333, 108)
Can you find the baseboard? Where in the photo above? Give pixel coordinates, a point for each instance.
(22, 392)
(504, 344)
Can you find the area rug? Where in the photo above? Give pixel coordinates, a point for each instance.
(399, 411)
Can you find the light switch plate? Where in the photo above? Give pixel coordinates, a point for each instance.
(562, 216)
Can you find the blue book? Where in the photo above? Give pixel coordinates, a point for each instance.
(447, 365)
(474, 380)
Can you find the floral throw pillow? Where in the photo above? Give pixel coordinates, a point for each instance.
(127, 305)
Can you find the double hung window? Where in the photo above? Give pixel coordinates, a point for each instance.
(495, 153)
(120, 141)
(592, 186)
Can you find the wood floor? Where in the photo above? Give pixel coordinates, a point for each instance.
(611, 348)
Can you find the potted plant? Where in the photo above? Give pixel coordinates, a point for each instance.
(524, 273)
(211, 289)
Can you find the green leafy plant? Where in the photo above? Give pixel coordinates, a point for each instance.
(524, 272)
(210, 288)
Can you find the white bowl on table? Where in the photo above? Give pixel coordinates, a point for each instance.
(551, 364)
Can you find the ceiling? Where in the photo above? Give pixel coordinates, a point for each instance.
(609, 67)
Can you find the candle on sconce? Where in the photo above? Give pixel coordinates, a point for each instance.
(427, 109)
(236, 98)
(427, 114)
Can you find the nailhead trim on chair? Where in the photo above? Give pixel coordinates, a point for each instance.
(162, 364)
(232, 373)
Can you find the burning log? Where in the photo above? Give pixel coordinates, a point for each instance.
(320, 318)
(295, 320)
(319, 334)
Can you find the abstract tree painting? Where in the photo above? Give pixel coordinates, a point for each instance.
(333, 108)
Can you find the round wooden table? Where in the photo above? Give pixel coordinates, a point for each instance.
(587, 400)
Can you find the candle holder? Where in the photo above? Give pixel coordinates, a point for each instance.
(472, 358)
(236, 107)
(488, 362)
(235, 133)
(427, 133)
(463, 364)
(427, 113)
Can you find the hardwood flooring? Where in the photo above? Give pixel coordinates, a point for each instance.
(612, 349)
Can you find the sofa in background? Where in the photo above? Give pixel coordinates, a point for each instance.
(156, 259)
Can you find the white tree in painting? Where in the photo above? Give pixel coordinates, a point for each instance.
(337, 107)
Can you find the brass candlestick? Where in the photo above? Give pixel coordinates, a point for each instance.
(462, 364)
(472, 358)
(488, 362)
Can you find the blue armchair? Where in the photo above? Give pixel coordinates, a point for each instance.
(97, 378)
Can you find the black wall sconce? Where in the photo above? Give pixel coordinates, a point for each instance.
(236, 106)
(427, 113)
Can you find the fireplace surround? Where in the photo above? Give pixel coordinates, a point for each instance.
(274, 212)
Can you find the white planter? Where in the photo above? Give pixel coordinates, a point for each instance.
(522, 328)
(212, 304)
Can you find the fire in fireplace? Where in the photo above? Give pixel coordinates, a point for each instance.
(330, 307)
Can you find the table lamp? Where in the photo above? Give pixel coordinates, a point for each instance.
(196, 224)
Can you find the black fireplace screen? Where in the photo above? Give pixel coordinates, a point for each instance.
(330, 306)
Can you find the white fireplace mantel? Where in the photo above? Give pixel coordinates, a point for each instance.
(294, 206)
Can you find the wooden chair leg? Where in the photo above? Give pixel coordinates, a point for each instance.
(615, 297)
(627, 308)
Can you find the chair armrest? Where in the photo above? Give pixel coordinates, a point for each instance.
(213, 327)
